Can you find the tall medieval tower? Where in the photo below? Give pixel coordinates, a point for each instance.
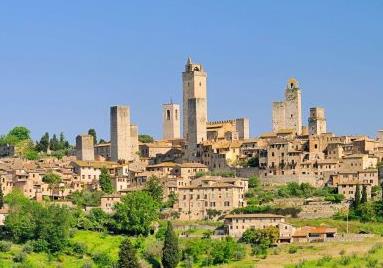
(120, 133)
(194, 87)
(317, 121)
(293, 106)
(171, 121)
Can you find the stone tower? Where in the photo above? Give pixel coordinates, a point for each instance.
(85, 147)
(171, 121)
(194, 87)
(287, 114)
(197, 121)
(380, 136)
(293, 106)
(120, 133)
(317, 121)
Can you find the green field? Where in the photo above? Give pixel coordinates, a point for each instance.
(306, 255)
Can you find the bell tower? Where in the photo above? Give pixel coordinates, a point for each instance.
(194, 87)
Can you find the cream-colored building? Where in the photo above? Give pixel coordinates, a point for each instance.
(210, 194)
(85, 147)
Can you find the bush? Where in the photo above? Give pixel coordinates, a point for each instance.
(293, 249)
(5, 246)
(20, 257)
(322, 261)
(345, 260)
(79, 248)
(39, 245)
(102, 259)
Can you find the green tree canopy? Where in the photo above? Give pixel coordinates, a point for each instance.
(127, 255)
(155, 188)
(16, 135)
(145, 138)
(105, 181)
(52, 178)
(170, 251)
(93, 133)
(1, 196)
(136, 213)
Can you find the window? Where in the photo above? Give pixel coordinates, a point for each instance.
(167, 114)
(176, 112)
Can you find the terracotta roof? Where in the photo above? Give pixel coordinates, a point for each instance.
(96, 164)
(164, 164)
(306, 230)
(192, 165)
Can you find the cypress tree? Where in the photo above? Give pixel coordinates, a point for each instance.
(364, 194)
(127, 256)
(357, 197)
(105, 182)
(170, 251)
(1, 196)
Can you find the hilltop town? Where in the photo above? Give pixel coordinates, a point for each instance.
(298, 183)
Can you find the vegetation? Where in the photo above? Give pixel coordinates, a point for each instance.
(170, 251)
(145, 138)
(15, 136)
(260, 239)
(86, 198)
(127, 256)
(46, 227)
(1, 196)
(253, 162)
(105, 181)
(93, 133)
(135, 214)
(155, 189)
(293, 211)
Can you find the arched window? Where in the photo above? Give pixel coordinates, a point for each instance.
(176, 112)
(167, 114)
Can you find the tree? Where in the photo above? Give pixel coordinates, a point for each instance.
(145, 138)
(170, 251)
(105, 182)
(1, 196)
(127, 255)
(357, 198)
(154, 187)
(253, 162)
(254, 182)
(53, 180)
(43, 145)
(92, 132)
(20, 133)
(135, 213)
(54, 143)
(364, 194)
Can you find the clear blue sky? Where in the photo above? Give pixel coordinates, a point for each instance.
(63, 63)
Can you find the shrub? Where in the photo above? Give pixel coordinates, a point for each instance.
(39, 245)
(28, 247)
(345, 260)
(322, 261)
(5, 246)
(102, 259)
(293, 249)
(79, 248)
(20, 257)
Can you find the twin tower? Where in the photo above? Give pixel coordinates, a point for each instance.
(194, 107)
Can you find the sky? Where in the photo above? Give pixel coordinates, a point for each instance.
(64, 63)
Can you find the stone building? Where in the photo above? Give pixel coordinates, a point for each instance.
(120, 133)
(317, 121)
(85, 147)
(196, 126)
(287, 114)
(237, 129)
(123, 134)
(171, 121)
(103, 150)
(194, 87)
(210, 193)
